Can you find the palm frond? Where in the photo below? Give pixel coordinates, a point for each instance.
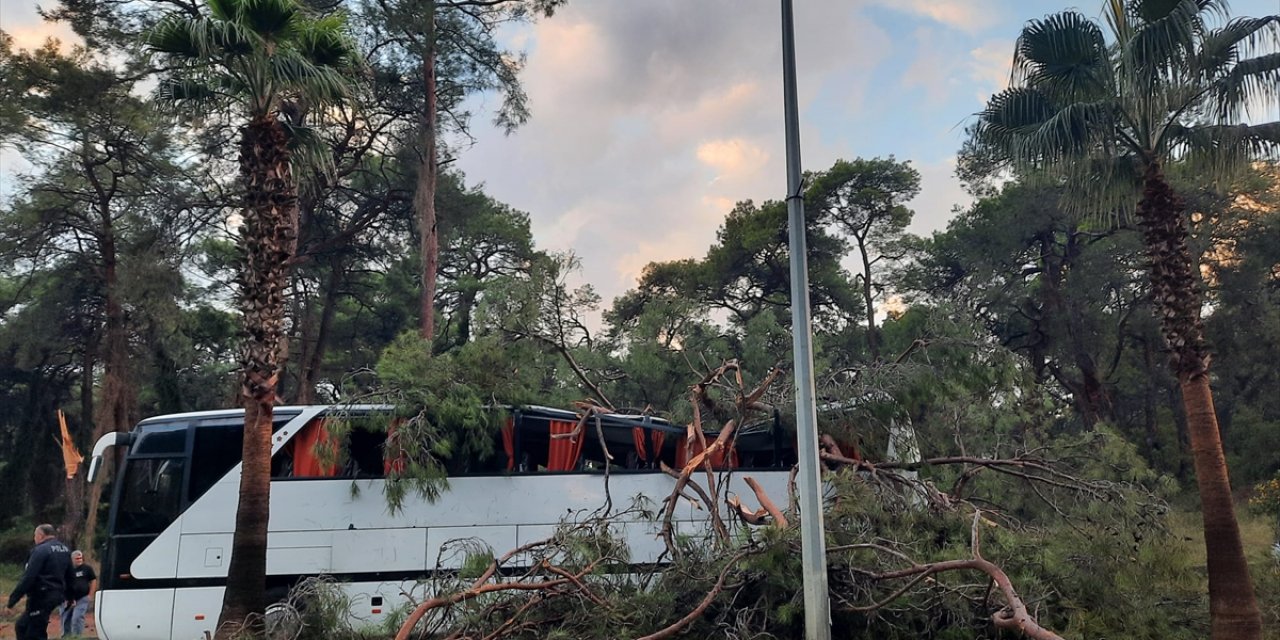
(233, 40)
(189, 38)
(1010, 115)
(1224, 150)
(1248, 85)
(311, 157)
(1152, 10)
(1073, 131)
(1104, 186)
(1164, 34)
(176, 91)
(176, 36)
(1065, 54)
(1237, 39)
(320, 84)
(1117, 18)
(256, 54)
(323, 42)
(271, 20)
(224, 9)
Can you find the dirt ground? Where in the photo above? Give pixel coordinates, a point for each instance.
(55, 628)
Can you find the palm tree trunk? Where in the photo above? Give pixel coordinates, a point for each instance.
(424, 196)
(1233, 607)
(268, 240)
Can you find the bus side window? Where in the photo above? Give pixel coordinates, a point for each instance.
(312, 453)
(216, 450)
(365, 452)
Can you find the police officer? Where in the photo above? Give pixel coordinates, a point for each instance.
(44, 583)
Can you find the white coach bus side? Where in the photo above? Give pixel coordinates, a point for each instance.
(174, 503)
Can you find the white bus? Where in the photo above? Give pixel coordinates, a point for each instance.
(175, 495)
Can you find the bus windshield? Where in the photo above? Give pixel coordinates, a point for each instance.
(151, 497)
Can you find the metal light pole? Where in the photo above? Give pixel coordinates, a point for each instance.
(817, 604)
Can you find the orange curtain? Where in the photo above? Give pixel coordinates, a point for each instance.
(849, 449)
(306, 464)
(393, 465)
(637, 436)
(726, 458)
(658, 438)
(563, 453)
(509, 443)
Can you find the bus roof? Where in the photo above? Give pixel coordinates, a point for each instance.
(232, 413)
(528, 411)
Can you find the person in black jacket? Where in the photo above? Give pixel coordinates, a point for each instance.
(79, 595)
(44, 583)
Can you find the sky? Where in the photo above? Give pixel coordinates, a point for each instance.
(651, 118)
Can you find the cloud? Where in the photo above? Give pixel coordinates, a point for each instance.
(21, 20)
(735, 156)
(989, 65)
(942, 67)
(940, 193)
(965, 15)
(934, 68)
(651, 119)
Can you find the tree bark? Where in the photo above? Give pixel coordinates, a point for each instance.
(115, 411)
(1233, 606)
(78, 503)
(268, 240)
(70, 532)
(315, 352)
(424, 195)
(466, 307)
(1089, 392)
(868, 299)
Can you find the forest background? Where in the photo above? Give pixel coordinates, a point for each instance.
(1024, 327)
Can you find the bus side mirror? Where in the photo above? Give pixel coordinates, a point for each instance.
(100, 448)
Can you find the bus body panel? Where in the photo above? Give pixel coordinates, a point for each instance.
(357, 533)
(134, 614)
(195, 610)
(343, 527)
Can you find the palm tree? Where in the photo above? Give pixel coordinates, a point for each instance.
(257, 60)
(1167, 86)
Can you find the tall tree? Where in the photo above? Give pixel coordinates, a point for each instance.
(1046, 282)
(455, 51)
(1168, 87)
(483, 240)
(746, 272)
(108, 194)
(262, 59)
(866, 200)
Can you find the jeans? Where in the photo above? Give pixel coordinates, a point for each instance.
(73, 617)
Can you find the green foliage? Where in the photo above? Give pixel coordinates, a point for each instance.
(1099, 107)
(449, 406)
(315, 609)
(1266, 497)
(255, 54)
(747, 273)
